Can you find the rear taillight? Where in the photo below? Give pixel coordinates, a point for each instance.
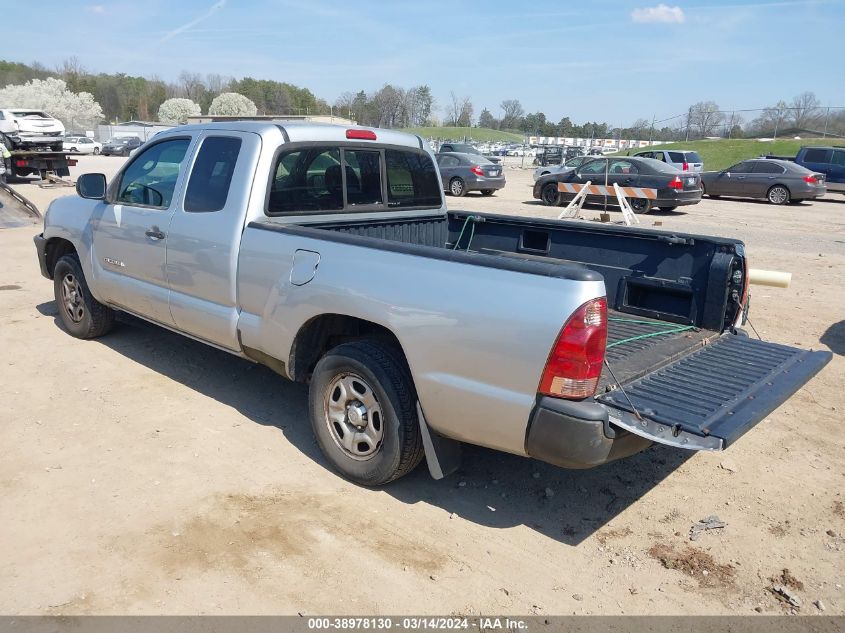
(686, 166)
(477, 170)
(21, 162)
(810, 179)
(677, 183)
(575, 362)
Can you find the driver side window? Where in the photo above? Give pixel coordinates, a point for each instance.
(150, 179)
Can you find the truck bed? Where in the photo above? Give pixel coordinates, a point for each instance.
(675, 278)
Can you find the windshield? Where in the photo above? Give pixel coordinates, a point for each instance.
(693, 157)
(119, 141)
(480, 160)
(31, 114)
(466, 149)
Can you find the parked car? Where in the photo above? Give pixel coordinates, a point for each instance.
(465, 148)
(683, 159)
(572, 163)
(120, 146)
(461, 173)
(829, 161)
(778, 181)
(673, 187)
(328, 254)
(81, 145)
(23, 128)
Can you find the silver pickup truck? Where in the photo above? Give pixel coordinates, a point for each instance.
(327, 254)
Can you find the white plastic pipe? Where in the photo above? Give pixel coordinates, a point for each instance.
(774, 278)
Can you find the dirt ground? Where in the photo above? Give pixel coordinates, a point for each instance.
(145, 473)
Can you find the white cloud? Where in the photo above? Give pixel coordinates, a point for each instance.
(214, 8)
(96, 8)
(660, 13)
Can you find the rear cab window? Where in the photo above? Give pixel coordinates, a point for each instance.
(317, 179)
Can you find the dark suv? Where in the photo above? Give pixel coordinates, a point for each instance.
(826, 160)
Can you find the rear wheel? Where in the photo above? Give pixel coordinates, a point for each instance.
(56, 147)
(640, 205)
(457, 187)
(363, 413)
(668, 208)
(81, 314)
(550, 195)
(488, 192)
(778, 195)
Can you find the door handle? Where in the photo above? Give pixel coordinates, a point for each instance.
(154, 233)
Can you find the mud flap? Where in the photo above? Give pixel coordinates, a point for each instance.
(711, 397)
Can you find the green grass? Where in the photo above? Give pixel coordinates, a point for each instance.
(723, 153)
(482, 134)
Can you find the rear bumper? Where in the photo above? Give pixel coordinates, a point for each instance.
(577, 435)
(41, 249)
(808, 193)
(485, 183)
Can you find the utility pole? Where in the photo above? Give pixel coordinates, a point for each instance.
(826, 118)
(689, 118)
(651, 134)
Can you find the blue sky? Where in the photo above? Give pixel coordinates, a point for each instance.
(605, 60)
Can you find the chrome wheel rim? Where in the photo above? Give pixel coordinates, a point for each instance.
(457, 187)
(354, 417)
(72, 301)
(778, 195)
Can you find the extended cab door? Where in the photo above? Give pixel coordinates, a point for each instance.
(205, 235)
(130, 237)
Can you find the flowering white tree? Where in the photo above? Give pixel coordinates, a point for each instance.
(232, 104)
(176, 111)
(76, 110)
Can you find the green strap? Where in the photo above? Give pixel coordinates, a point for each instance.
(649, 335)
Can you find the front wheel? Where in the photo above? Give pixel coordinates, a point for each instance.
(778, 195)
(363, 412)
(96, 151)
(81, 314)
(457, 187)
(550, 195)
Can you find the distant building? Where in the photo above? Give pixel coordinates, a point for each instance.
(311, 118)
(142, 129)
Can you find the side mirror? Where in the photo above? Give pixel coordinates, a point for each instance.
(91, 186)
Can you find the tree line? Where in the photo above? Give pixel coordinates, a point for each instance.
(125, 97)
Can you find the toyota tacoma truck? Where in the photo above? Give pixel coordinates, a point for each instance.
(327, 253)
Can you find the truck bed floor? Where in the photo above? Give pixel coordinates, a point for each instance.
(638, 345)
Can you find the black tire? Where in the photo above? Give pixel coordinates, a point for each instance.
(80, 313)
(56, 147)
(400, 449)
(550, 195)
(488, 192)
(96, 151)
(640, 206)
(778, 194)
(668, 208)
(457, 187)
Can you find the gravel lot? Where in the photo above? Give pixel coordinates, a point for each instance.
(145, 473)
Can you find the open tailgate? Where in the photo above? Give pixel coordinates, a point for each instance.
(711, 397)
